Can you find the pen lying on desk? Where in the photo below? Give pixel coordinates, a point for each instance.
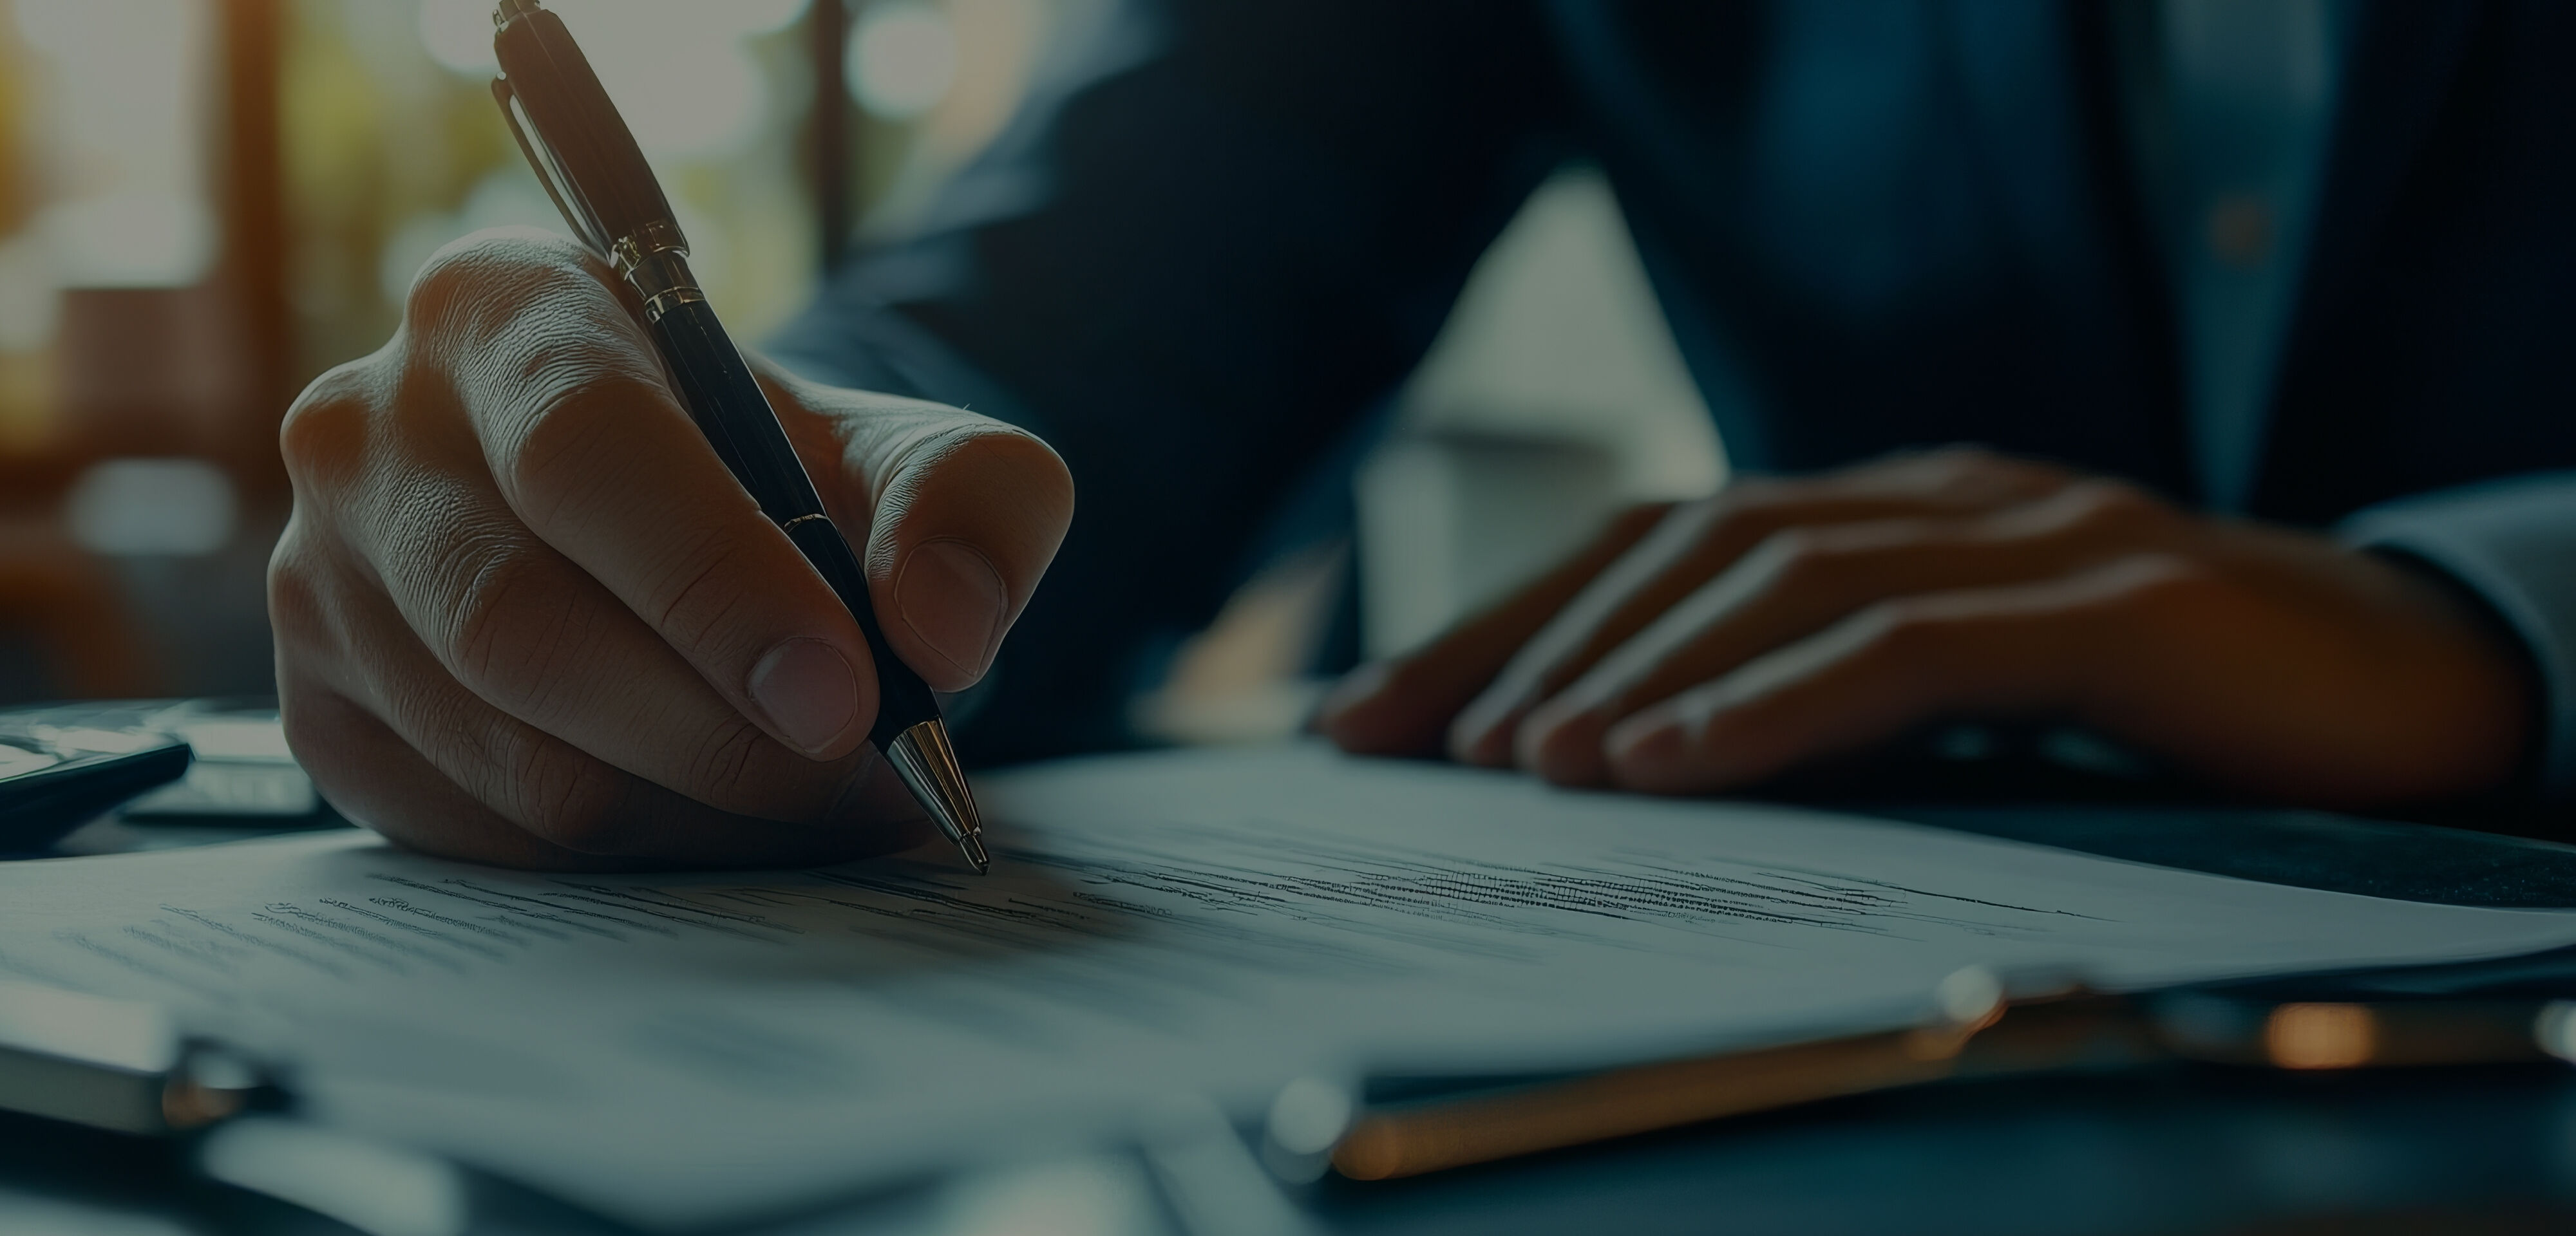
(582, 152)
(124, 1066)
(117, 1065)
(1980, 1034)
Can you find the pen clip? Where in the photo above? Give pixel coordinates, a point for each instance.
(541, 160)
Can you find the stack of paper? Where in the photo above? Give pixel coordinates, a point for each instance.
(680, 1049)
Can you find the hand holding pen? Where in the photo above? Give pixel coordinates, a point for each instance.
(527, 615)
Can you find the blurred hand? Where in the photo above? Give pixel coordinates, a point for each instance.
(1706, 646)
(525, 616)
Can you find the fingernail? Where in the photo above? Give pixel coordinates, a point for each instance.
(1696, 748)
(1563, 744)
(1482, 733)
(807, 688)
(1344, 712)
(953, 599)
(1648, 756)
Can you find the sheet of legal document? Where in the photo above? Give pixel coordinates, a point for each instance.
(679, 1049)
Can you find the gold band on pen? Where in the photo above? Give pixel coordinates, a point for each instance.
(663, 302)
(659, 236)
(790, 525)
(655, 262)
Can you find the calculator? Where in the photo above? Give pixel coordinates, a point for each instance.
(63, 765)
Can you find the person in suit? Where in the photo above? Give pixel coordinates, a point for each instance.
(2188, 369)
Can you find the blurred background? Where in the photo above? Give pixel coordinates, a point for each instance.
(204, 203)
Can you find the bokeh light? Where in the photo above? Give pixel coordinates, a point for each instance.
(750, 18)
(458, 35)
(130, 333)
(684, 97)
(144, 237)
(152, 507)
(677, 69)
(505, 197)
(125, 79)
(902, 59)
(30, 297)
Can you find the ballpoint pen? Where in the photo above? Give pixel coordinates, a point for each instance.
(589, 163)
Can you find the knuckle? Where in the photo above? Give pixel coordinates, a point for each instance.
(557, 792)
(295, 605)
(1896, 624)
(1635, 521)
(537, 782)
(310, 604)
(1743, 517)
(2164, 583)
(1976, 473)
(1905, 628)
(1746, 497)
(1960, 461)
(695, 601)
(324, 431)
(1952, 469)
(1797, 557)
(2101, 505)
(555, 454)
(504, 625)
(724, 764)
(318, 744)
(490, 268)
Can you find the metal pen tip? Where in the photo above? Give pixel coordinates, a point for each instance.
(928, 765)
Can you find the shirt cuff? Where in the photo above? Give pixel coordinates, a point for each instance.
(2513, 543)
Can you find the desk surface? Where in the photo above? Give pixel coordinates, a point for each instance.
(2176, 1149)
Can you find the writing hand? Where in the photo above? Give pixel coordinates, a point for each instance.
(1709, 645)
(525, 616)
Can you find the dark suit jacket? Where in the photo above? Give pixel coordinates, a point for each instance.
(1223, 231)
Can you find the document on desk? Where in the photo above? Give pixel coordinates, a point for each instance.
(681, 1049)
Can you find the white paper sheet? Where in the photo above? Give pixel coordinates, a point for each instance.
(682, 1049)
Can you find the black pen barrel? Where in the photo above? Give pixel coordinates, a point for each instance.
(903, 699)
(733, 412)
(717, 387)
(589, 162)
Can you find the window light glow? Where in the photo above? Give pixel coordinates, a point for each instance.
(678, 70)
(127, 84)
(902, 58)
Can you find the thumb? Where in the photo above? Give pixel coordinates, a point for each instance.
(959, 514)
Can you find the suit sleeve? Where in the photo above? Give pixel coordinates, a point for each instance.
(2512, 543)
(1202, 253)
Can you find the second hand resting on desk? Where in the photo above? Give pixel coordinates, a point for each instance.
(582, 152)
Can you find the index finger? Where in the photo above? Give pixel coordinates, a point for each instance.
(2033, 648)
(1402, 706)
(588, 446)
(1702, 539)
